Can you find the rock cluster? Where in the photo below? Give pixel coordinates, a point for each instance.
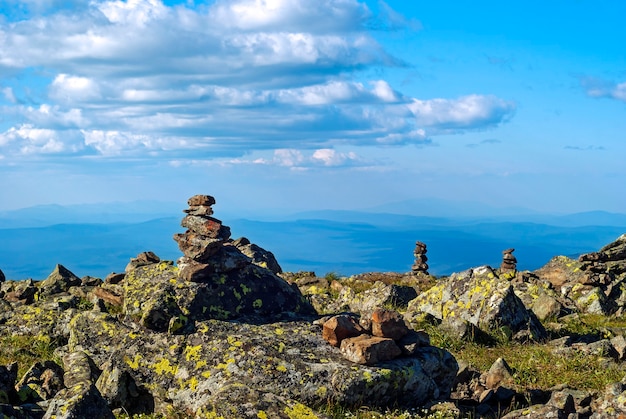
(607, 264)
(482, 297)
(420, 265)
(509, 262)
(382, 337)
(592, 284)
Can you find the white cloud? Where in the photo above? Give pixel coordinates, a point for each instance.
(299, 160)
(66, 88)
(113, 142)
(133, 12)
(29, 140)
(471, 111)
(222, 79)
(330, 157)
(290, 15)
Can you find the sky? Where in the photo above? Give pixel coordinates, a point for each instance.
(314, 104)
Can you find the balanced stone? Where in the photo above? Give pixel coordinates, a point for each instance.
(420, 265)
(509, 262)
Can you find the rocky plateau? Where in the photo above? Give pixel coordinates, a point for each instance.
(224, 333)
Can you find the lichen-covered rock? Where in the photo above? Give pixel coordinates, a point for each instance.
(142, 259)
(20, 291)
(41, 382)
(288, 359)
(561, 270)
(546, 307)
(259, 256)
(594, 301)
(59, 280)
(357, 295)
(607, 264)
(118, 387)
(155, 294)
(80, 398)
(611, 403)
(226, 403)
(481, 297)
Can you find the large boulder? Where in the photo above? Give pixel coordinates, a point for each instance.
(482, 298)
(157, 297)
(288, 360)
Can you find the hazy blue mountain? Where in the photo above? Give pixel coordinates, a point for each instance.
(117, 212)
(435, 207)
(85, 249)
(96, 240)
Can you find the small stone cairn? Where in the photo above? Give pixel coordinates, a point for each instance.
(420, 265)
(509, 262)
(383, 336)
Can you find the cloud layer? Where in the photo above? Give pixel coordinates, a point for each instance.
(139, 78)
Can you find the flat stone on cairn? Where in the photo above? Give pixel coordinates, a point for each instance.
(509, 262)
(420, 265)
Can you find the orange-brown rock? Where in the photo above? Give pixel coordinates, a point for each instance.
(388, 324)
(340, 327)
(369, 350)
(201, 200)
(108, 296)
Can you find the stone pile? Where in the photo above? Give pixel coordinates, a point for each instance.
(204, 238)
(382, 337)
(509, 262)
(606, 265)
(420, 265)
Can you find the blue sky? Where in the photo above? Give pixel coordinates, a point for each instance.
(311, 104)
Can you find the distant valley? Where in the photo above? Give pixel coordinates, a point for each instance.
(95, 240)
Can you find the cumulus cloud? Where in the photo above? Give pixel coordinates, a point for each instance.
(141, 78)
(465, 112)
(28, 140)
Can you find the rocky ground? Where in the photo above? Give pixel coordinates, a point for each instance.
(225, 333)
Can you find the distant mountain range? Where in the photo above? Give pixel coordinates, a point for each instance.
(98, 239)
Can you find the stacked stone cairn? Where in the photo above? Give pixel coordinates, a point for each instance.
(381, 337)
(420, 265)
(204, 238)
(509, 262)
